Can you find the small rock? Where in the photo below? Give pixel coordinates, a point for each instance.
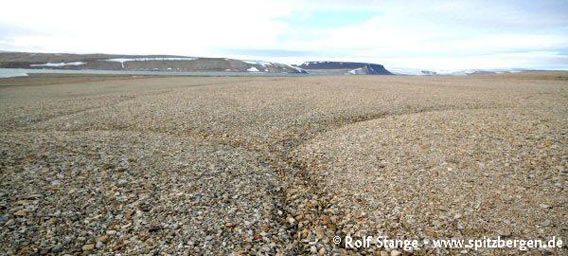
(122, 182)
(44, 251)
(88, 247)
(21, 213)
(103, 238)
(313, 249)
(395, 253)
(291, 220)
(145, 207)
(546, 223)
(505, 232)
(325, 220)
(57, 248)
(10, 222)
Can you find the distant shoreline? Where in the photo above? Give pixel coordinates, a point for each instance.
(20, 72)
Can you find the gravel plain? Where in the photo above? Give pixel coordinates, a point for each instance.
(281, 165)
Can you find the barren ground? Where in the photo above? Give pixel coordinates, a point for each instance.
(177, 165)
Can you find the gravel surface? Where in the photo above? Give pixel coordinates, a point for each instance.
(469, 174)
(279, 165)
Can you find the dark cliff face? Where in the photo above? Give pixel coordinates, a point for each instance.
(366, 68)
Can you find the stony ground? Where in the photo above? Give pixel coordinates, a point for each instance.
(213, 166)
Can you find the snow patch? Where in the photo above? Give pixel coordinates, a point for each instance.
(61, 64)
(357, 71)
(307, 63)
(124, 60)
(300, 70)
(258, 62)
(266, 66)
(152, 59)
(252, 69)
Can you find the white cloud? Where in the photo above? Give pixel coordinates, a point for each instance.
(433, 34)
(182, 27)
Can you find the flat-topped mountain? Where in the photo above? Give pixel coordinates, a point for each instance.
(137, 62)
(350, 67)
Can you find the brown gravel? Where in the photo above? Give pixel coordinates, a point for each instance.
(279, 165)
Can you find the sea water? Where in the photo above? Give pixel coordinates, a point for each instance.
(17, 72)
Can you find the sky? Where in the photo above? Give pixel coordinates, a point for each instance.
(434, 35)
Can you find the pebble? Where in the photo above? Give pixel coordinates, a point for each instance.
(545, 223)
(88, 247)
(313, 249)
(291, 221)
(57, 248)
(505, 232)
(103, 238)
(21, 213)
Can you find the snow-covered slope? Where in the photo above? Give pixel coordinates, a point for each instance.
(138, 63)
(266, 66)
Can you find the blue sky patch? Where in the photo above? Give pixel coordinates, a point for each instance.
(329, 18)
